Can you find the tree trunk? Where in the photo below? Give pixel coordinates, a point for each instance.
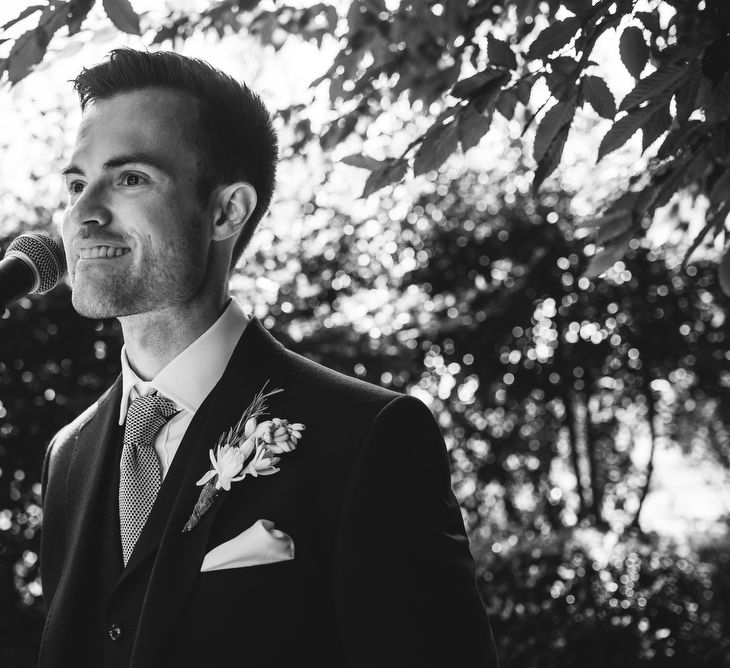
(651, 416)
(592, 461)
(570, 419)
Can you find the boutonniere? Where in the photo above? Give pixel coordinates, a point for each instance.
(248, 448)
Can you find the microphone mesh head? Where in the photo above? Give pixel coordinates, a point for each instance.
(44, 253)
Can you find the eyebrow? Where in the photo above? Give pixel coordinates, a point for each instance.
(121, 161)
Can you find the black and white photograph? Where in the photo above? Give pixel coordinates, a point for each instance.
(365, 333)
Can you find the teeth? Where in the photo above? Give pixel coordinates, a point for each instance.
(101, 251)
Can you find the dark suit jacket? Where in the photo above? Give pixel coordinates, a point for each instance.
(382, 574)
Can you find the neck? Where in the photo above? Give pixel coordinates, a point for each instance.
(154, 339)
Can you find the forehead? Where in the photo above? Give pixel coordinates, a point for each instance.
(151, 119)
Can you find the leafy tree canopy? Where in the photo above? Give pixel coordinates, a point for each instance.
(460, 62)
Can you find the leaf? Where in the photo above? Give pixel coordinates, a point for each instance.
(662, 81)
(606, 257)
(616, 219)
(634, 51)
(506, 103)
(362, 161)
(723, 272)
(623, 129)
(554, 37)
(582, 8)
(123, 16)
(598, 95)
(327, 76)
(524, 90)
(368, 77)
(606, 219)
(340, 130)
(23, 15)
(689, 95)
(696, 243)
(682, 52)
(472, 127)
(686, 169)
(717, 105)
(563, 76)
(438, 144)
(565, 66)
(620, 224)
(78, 11)
(29, 49)
(716, 58)
(656, 125)
(486, 98)
(468, 87)
(552, 158)
(650, 21)
(627, 201)
(551, 124)
(680, 137)
(720, 191)
(431, 88)
(500, 53)
(392, 171)
(525, 9)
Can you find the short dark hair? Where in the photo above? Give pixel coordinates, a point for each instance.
(235, 137)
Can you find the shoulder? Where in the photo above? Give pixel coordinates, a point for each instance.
(61, 445)
(320, 387)
(353, 411)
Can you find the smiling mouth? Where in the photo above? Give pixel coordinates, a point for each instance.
(97, 252)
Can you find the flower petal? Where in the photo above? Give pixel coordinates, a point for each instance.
(250, 427)
(205, 478)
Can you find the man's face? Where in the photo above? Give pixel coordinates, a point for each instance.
(135, 231)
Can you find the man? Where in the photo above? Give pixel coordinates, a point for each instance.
(352, 551)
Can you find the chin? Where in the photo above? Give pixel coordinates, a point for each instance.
(92, 308)
(101, 305)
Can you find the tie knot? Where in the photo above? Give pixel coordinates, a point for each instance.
(146, 416)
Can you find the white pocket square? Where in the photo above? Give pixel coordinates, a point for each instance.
(260, 544)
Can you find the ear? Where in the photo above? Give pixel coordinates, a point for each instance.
(234, 205)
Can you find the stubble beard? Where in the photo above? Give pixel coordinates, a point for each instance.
(151, 285)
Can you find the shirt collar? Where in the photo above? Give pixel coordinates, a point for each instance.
(190, 376)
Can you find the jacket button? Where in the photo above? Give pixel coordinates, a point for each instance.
(115, 631)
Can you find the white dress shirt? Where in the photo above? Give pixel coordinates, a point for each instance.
(187, 379)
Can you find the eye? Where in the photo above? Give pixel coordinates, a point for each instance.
(133, 180)
(75, 187)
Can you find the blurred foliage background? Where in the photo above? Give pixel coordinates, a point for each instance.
(574, 407)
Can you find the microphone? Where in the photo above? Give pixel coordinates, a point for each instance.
(33, 263)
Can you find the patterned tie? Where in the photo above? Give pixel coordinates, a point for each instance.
(140, 475)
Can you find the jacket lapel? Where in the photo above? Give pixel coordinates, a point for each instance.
(258, 359)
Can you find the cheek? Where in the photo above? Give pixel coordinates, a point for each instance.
(175, 233)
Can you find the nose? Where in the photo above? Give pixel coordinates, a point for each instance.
(89, 208)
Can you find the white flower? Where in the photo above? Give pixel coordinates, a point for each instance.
(279, 436)
(227, 464)
(261, 464)
(236, 446)
(250, 427)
